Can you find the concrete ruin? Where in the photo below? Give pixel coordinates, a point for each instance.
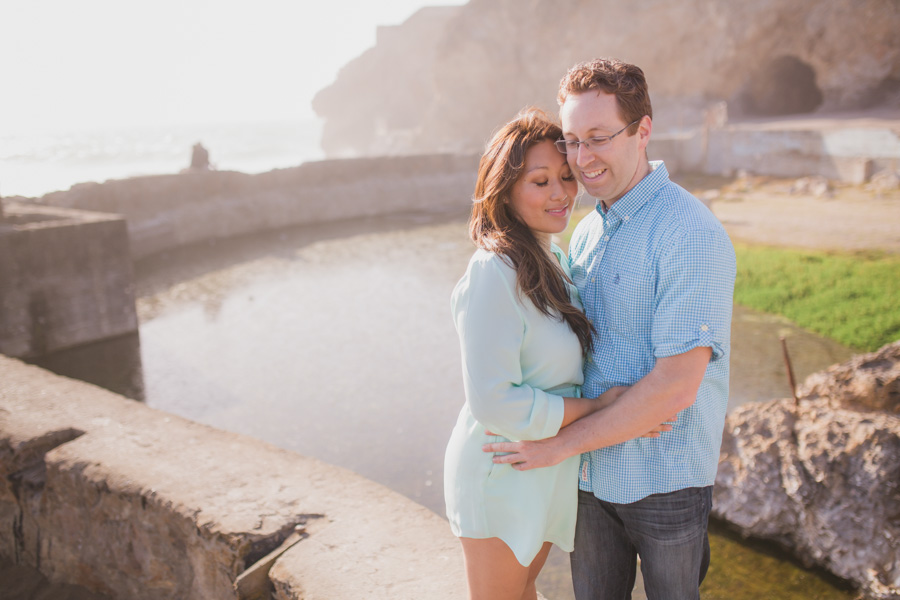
(67, 293)
(67, 279)
(95, 489)
(167, 211)
(106, 493)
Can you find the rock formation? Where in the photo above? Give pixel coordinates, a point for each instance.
(867, 382)
(445, 79)
(823, 479)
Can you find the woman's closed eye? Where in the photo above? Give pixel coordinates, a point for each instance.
(545, 182)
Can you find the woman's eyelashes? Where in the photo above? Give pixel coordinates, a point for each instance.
(545, 182)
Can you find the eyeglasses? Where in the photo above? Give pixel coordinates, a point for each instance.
(593, 143)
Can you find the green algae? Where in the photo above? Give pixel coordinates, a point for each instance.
(745, 569)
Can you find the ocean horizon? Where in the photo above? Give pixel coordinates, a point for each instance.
(34, 163)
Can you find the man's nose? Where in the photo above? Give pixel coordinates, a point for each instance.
(583, 155)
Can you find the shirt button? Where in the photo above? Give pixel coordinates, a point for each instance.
(625, 218)
(704, 328)
(593, 279)
(606, 237)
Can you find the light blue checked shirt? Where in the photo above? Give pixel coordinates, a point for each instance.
(656, 277)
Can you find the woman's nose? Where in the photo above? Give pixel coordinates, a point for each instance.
(559, 191)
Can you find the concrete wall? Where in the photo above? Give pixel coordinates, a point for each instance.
(849, 154)
(166, 211)
(65, 279)
(106, 493)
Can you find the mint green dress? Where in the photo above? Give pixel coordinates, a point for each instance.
(517, 365)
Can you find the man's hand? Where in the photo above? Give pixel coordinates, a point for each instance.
(663, 427)
(529, 454)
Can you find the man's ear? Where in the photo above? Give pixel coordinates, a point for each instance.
(645, 127)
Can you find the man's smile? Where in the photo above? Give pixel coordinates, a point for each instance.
(593, 174)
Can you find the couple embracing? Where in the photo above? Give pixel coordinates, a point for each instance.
(596, 384)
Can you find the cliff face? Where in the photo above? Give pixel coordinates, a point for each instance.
(384, 88)
(445, 79)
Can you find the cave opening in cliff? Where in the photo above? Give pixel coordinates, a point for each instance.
(784, 86)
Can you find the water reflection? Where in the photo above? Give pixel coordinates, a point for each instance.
(114, 364)
(757, 367)
(336, 341)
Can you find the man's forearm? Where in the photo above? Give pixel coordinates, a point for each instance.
(669, 388)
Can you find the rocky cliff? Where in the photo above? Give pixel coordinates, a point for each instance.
(445, 79)
(823, 478)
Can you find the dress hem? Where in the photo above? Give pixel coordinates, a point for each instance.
(479, 536)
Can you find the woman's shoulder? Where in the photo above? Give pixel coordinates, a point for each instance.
(490, 264)
(486, 271)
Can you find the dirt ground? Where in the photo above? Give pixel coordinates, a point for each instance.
(804, 213)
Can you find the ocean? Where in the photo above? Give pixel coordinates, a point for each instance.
(33, 163)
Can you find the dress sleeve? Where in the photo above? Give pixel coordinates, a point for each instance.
(491, 326)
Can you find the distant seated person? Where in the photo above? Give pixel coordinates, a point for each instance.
(199, 158)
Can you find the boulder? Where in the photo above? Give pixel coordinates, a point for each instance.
(865, 382)
(822, 478)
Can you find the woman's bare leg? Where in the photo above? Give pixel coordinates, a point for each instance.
(492, 571)
(534, 570)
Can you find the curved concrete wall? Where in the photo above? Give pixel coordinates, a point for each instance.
(165, 211)
(104, 492)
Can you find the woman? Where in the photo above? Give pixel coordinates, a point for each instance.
(522, 335)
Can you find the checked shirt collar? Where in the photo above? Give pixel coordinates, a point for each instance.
(631, 203)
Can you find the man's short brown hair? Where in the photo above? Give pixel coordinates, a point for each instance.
(611, 76)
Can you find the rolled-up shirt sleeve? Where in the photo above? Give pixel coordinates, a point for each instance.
(694, 295)
(491, 328)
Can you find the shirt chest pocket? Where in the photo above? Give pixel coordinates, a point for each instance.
(627, 301)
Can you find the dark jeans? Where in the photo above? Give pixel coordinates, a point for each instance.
(668, 531)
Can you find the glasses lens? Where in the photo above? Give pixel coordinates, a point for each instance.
(561, 146)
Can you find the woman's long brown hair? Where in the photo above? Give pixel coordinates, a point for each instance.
(495, 227)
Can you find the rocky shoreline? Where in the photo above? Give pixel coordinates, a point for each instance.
(822, 476)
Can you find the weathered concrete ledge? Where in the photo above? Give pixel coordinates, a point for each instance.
(166, 211)
(106, 493)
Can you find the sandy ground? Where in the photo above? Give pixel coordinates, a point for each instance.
(786, 212)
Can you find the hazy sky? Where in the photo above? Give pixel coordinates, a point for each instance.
(87, 63)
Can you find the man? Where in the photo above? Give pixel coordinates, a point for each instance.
(655, 270)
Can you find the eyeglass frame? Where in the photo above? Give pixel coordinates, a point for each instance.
(600, 141)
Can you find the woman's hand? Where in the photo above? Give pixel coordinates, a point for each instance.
(527, 455)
